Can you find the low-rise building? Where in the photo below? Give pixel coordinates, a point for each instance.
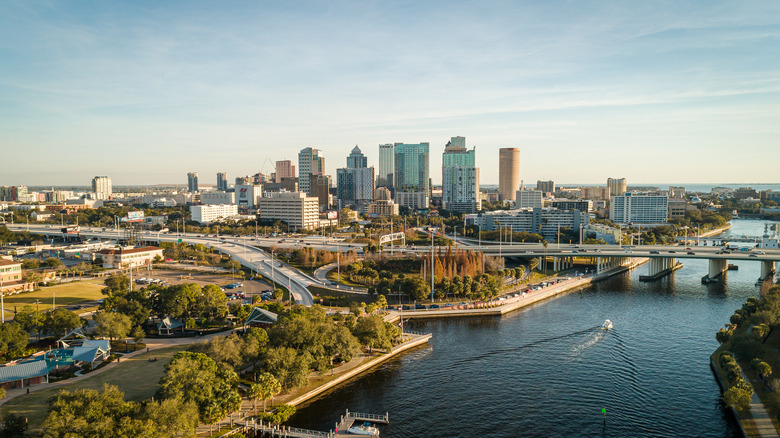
(415, 200)
(11, 276)
(631, 208)
(129, 257)
(205, 214)
(216, 198)
(544, 221)
(528, 199)
(568, 204)
(296, 209)
(382, 209)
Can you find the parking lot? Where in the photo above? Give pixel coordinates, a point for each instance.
(251, 287)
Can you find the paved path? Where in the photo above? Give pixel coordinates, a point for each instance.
(760, 416)
(321, 274)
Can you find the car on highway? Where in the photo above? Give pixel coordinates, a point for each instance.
(759, 252)
(753, 255)
(691, 253)
(655, 252)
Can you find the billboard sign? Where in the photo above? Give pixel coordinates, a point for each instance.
(135, 216)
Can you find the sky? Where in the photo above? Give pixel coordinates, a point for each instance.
(146, 91)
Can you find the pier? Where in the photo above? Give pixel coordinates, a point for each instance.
(342, 426)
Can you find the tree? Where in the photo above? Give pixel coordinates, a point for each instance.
(372, 332)
(112, 325)
(212, 304)
(30, 319)
(278, 294)
(88, 412)
(738, 397)
(196, 377)
(115, 284)
(289, 367)
(52, 262)
(14, 426)
(267, 387)
(764, 369)
(61, 320)
(138, 334)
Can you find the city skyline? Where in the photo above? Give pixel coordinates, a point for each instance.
(146, 92)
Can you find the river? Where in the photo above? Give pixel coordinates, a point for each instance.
(548, 370)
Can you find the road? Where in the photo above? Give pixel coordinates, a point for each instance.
(240, 249)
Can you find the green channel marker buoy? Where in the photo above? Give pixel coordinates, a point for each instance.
(604, 411)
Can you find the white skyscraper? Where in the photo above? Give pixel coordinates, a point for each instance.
(101, 185)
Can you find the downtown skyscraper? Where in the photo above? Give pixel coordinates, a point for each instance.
(460, 178)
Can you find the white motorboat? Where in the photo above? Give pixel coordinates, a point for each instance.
(364, 429)
(607, 324)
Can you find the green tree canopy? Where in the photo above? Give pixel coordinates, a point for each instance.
(112, 325)
(61, 320)
(13, 340)
(195, 377)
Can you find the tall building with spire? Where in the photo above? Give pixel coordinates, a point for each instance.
(355, 183)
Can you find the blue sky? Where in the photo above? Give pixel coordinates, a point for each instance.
(146, 91)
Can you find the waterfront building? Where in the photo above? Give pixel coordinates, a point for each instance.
(310, 162)
(192, 182)
(101, 186)
(508, 173)
(296, 209)
(544, 221)
(616, 186)
(745, 193)
(528, 199)
(631, 208)
(222, 183)
(284, 169)
(585, 206)
(386, 166)
(545, 186)
(205, 214)
(355, 183)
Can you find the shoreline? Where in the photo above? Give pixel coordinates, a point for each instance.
(515, 303)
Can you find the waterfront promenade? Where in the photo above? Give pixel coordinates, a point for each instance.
(499, 307)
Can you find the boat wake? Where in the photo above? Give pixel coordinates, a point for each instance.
(577, 350)
(528, 345)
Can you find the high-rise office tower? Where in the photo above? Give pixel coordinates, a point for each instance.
(192, 182)
(386, 166)
(460, 178)
(355, 183)
(508, 173)
(412, 167)
(310, 162)
(616, 186)
(101, 185)
(284, 169)
(222, 184)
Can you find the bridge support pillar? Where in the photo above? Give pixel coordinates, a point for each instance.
(717, 268)
(767, 268)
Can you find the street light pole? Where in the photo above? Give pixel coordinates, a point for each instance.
(431, 266)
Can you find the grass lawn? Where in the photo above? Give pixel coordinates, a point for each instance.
(66, 295)
(136, 377)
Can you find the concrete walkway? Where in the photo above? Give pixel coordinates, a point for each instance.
(760, 416)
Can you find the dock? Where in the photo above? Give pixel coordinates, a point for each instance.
(347, 420)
